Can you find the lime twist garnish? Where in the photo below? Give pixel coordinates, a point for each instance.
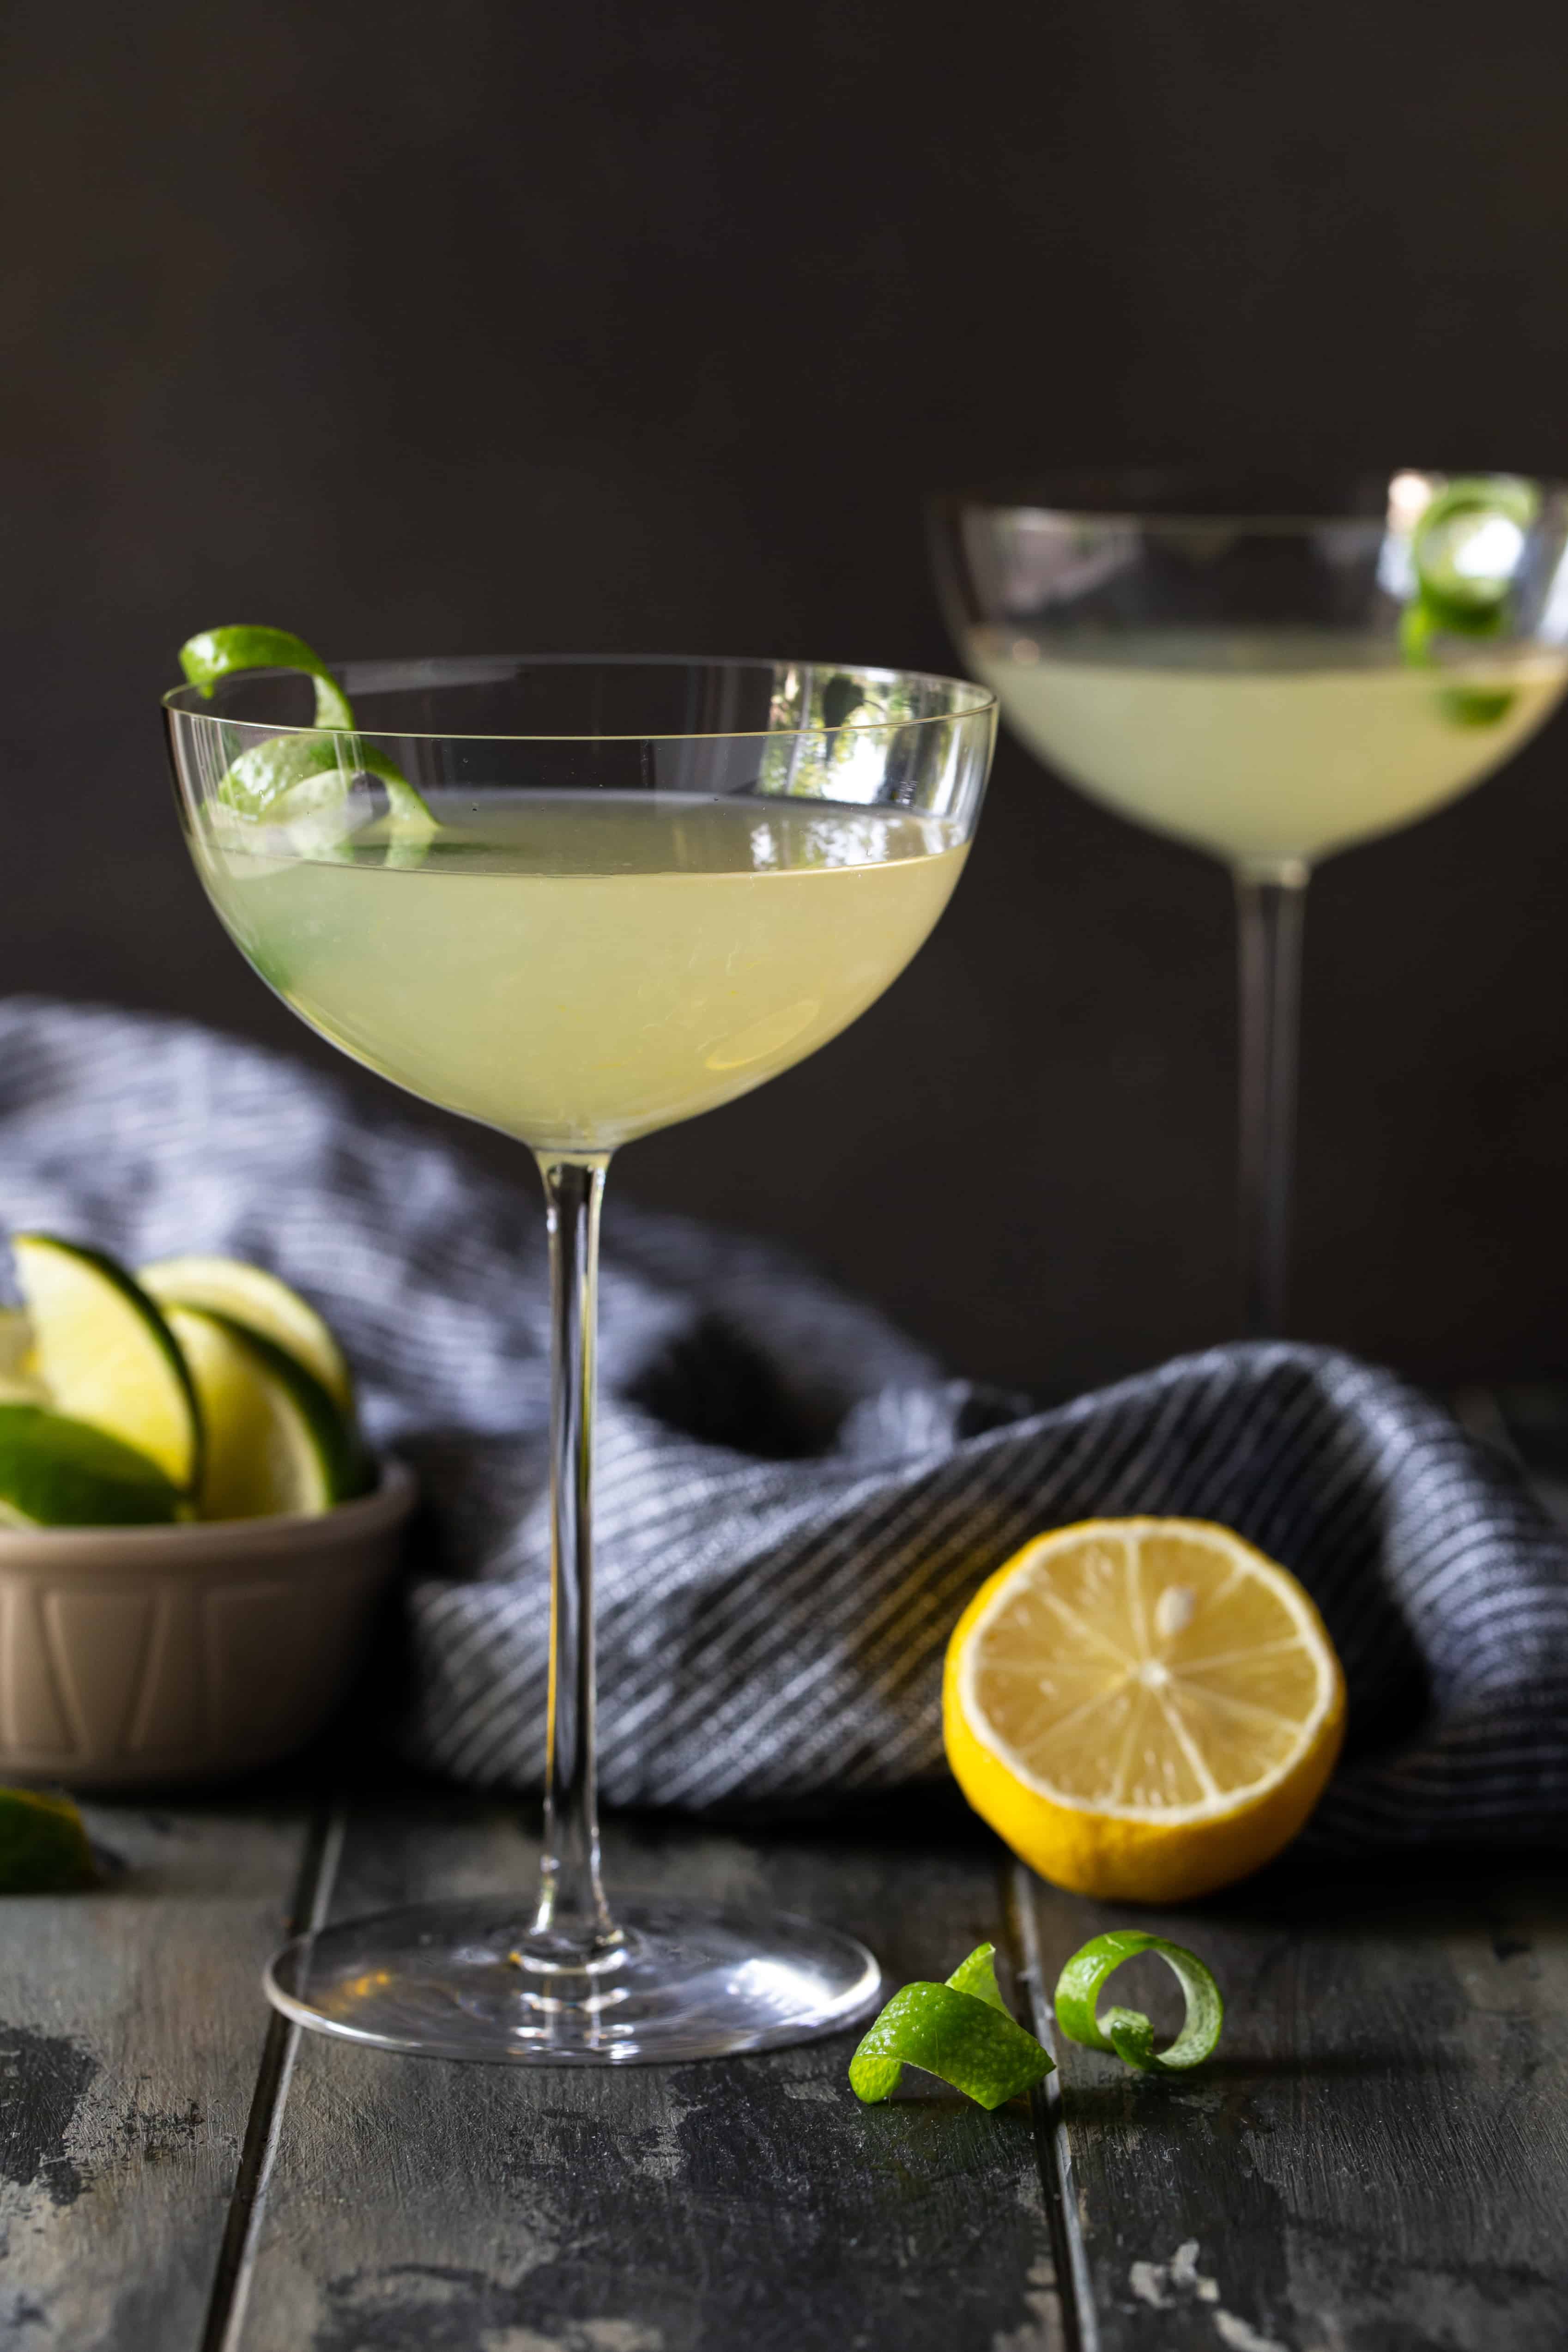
(961, 2033)
(1127, 2031)
(1464, 552)
(305, 779)
(44, 1847)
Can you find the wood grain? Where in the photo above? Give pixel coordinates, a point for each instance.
(748, 2205)
(1376, 2160)
(133, 2024)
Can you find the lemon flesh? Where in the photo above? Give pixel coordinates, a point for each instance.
(104, 1354)
(264, 1304)
(276, 1441)
(1145, 1710)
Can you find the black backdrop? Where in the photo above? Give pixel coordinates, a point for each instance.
(495, 326)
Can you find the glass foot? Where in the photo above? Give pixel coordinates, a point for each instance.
(454, 1980)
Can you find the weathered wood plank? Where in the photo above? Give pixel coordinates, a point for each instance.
(133, 2024)
(1376, 2160)
(747, 2203)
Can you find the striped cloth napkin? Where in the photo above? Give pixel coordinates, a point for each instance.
(793, 1504)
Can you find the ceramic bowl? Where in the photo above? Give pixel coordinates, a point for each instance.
(175, 1654)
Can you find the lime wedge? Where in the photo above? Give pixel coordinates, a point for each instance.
(105, 1355)
(44, 1846)
(59, 1472)
(276, 1441)
(301, 781)
(15, 1342)
(959, 2032)
(19, 1381)
(263, 1303)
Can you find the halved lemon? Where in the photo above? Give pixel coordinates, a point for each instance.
(1144, 1710)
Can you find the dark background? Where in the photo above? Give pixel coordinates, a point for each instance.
(501, 327)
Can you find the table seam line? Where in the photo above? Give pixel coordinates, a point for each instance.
(263, 2123)
(1075, 2291)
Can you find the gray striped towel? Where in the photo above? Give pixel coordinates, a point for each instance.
(793, 1504)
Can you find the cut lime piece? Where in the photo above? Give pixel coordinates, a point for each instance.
(263, 1303)
(300, 781)
(59, 1472)
(44, 1847)
(276, 1441)
(105, 1354)
(19, 1381)
(959, 2032)
(15, 1342)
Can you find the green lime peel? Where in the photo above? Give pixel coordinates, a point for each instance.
(1127, 2031)
(1455, 597)
(307, 776)
(961, 2031)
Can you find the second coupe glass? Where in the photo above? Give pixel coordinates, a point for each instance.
(1272, 671)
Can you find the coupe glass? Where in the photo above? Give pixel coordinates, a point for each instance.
(1272, 670)
(649, 886)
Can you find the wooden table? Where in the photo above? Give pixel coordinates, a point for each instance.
(1376, 2160)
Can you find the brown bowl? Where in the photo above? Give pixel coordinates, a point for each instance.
(180, 1652)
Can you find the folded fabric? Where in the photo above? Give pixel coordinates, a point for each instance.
(793, 1506)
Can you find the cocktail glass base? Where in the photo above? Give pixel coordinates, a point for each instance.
(678, 1981)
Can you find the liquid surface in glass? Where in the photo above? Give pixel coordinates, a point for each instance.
(1267, 747)
(576, 969)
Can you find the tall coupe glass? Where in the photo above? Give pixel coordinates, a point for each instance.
(1270, 671)
(641, 888)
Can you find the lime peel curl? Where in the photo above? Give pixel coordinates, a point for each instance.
(960, 2031)
(1453, 600)
(304, 777)
(1127, 2031)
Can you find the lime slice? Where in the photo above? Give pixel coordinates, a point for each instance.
(44, 1846)
(959, 2032)
(263, 1303)
(276, 1441)
(301, 781)
(59, 1472)
(1127, 2031)
(105, 1355)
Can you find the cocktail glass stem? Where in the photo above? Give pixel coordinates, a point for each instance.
(572, 1924)
(1271, 904)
